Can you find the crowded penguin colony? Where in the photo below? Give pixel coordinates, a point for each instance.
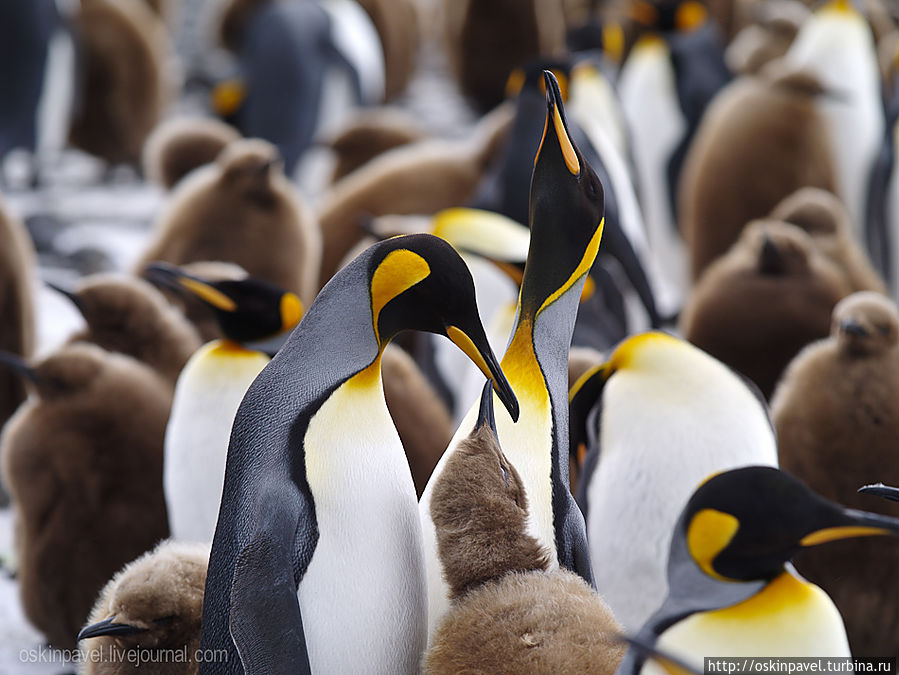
(600, 376)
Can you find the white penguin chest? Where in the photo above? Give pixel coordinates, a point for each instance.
(363, 595)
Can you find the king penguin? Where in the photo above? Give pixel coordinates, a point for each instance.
(732, 591)
(836, 44)
(566, 221)
(211, 388)
(317, 562)
(658, 417)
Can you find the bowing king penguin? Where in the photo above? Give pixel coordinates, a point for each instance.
(317, 561)
(566, 221)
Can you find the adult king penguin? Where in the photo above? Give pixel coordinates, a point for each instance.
(731, 590)
(659, 417)
(317, 561)
(566, 221)
(211, 387)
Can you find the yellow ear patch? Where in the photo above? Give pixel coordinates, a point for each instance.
(227, 97)
(399, 271)
(690, 15)
(571, 161)
(291, 311)
(514, 83)
(582, 268)
(837, 533)
(209, 294)
(613, 41)
(708, 534)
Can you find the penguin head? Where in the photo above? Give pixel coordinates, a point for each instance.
(120, 307)
(566, 212)
(747, 523)
(529, 80)
(772, 250)
(419, 282)
(480, 509)
(865, 323)
(156, 601)
(247, 310)
(668, 16)
(817, 211)
(249, 168)
(70, 370)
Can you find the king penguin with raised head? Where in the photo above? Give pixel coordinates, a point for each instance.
(566, 220)
(316, 562)
(731, 590)
(211, 387)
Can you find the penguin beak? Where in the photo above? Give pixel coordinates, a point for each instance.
(840, 523)
(555, 130)
(18, 365)
(67, 293)
(170, 276)
(881, 490)
(771, 262)
(108, 627)
(485, 413)
(479, 351)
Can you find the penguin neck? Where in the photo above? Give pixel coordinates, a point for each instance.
(226, 347)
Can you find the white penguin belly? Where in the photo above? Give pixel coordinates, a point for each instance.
(208, 393)
(363, 595)
(652, 457)
(527, 446)
(790, 617)
(649, 100)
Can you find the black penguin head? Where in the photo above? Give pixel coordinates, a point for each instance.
(529, 81)
(419, 282)
(566, 212)
(865, 323)
(668, 16)
(745, 524)
(247, 310)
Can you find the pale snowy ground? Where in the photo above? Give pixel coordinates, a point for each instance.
(86, 225)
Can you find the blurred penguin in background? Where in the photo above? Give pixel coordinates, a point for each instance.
(123, 50)
(153, 604)
(83, 462)
(757, 306)
(823, 216)
(397, 23)
(667, 81)
(17, 328)
(837, 417)
(486, 39)
(127, 315)
(179, 145)
(302, 67)
(762, 139)
(767, 36)
(837, 45)
(241, 209)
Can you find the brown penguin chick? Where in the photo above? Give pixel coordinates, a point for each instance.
(241, 209)
(128, 315)
(155, 603)
(487, 39)
(419, 415)
(836, 412)
(760, 140)
(509, 614)
(371, 133)
(82, 459)
(123, 47)
(179, 145)
(420, 178)
(824, 217)
(397, 23)
(16, 307)
(757, 306)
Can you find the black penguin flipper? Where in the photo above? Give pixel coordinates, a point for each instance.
(265, 620)
(877, 233)
(616, 244)
(573, 549)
